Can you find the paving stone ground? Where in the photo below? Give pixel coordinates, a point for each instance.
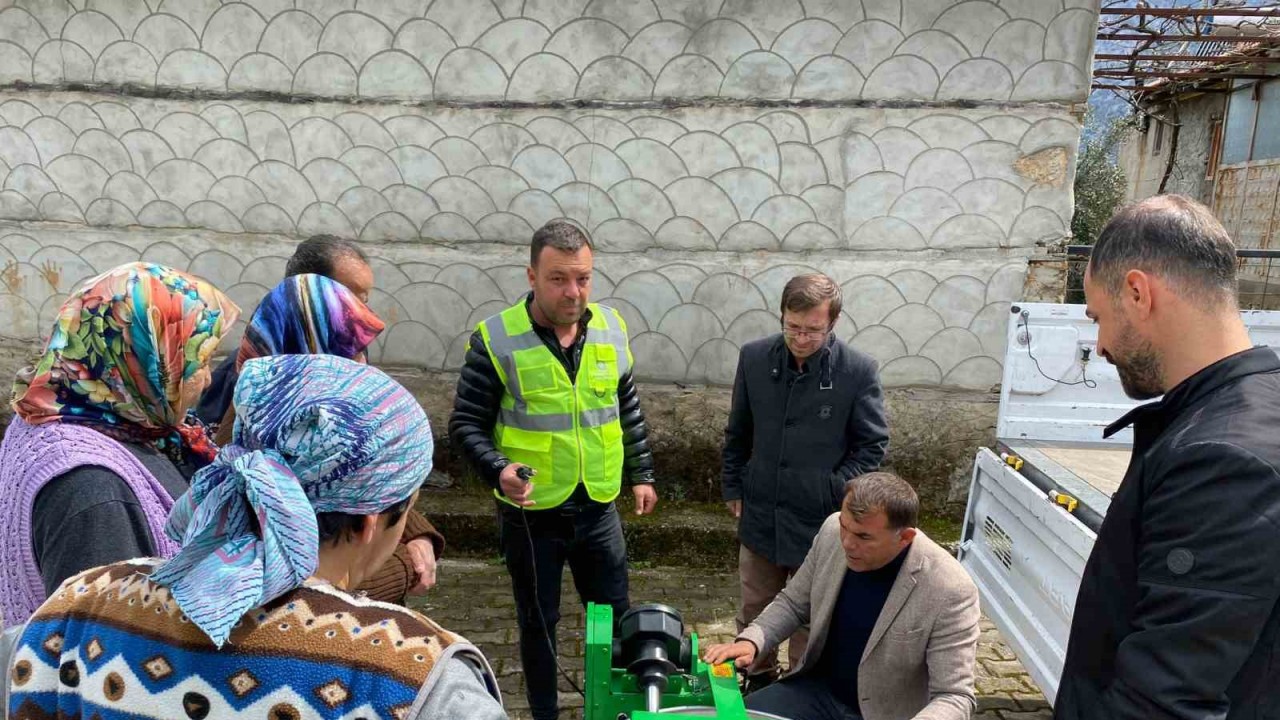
(473, 597)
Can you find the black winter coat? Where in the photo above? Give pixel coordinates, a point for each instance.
(794, 439)
(1177, 612)
(479, 397)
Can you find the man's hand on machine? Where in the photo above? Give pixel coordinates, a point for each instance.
(516, 488)
(742, 652)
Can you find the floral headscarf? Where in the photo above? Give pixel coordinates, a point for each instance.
(122, 351)
(310, 315)
(317, 433)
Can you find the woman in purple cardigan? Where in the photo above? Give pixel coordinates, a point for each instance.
(93, 459)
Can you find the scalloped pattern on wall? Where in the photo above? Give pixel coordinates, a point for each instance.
(928, 322)
(542, 50)
(952, 180)
(739, 179)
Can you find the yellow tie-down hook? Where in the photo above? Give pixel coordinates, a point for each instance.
(1064, 500)
(1012, 461)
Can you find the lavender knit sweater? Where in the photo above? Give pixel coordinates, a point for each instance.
(31, 456)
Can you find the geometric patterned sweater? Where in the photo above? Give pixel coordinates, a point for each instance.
(111, 644)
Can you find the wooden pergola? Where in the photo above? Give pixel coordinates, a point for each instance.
(1184, 48)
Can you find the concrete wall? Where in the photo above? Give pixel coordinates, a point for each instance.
(701, 214)
(921, 152)
(1144, 169)
(544, 50)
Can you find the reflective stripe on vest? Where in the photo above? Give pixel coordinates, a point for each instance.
(568, 429)
(558, 421)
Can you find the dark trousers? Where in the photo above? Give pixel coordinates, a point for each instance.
(801, 698)
(536, 545)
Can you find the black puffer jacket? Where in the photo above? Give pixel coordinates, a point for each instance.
(475, 410)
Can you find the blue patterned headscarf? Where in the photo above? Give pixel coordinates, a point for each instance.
(309, 315)
(316, 433)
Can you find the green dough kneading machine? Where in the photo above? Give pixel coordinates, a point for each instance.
(652, 671)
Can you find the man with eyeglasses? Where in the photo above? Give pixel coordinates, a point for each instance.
(807, 416)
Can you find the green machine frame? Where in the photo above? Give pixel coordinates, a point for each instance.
(615, 694)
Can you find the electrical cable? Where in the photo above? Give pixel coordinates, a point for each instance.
(1084, 378)
(525, 473)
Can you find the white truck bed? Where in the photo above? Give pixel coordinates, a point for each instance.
(1025, 552)
(1088, 472)
(1101, 468)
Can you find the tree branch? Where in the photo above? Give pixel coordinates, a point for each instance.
(1173, 149)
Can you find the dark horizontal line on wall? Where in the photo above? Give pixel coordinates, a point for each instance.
(1038, 251)
(153, 93)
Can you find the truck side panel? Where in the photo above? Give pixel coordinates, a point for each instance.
(1026, 555)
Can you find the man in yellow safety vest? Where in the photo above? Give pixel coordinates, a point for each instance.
(547, 412)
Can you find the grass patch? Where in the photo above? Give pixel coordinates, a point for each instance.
(942, 527)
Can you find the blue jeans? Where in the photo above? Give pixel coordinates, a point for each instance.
(805, 697)
(586, 535)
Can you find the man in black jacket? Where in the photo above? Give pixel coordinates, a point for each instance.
(547, 389)
(807, 415)
(1177, 613)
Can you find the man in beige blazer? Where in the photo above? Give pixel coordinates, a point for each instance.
(893, 619)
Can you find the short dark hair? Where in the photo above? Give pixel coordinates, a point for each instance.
(1171, 236)
(559, 234)
(336, 527)
(805, 292)
(876, 491)
(319, 254)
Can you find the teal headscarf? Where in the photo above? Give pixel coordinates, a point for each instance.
(316, 433)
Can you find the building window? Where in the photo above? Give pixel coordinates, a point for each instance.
(1237, 128)
(1215, 149)
(1158, 143)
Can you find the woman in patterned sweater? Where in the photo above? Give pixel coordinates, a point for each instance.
(253, 617)
(101, 443)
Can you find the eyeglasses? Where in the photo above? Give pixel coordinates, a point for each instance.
(796, 332)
